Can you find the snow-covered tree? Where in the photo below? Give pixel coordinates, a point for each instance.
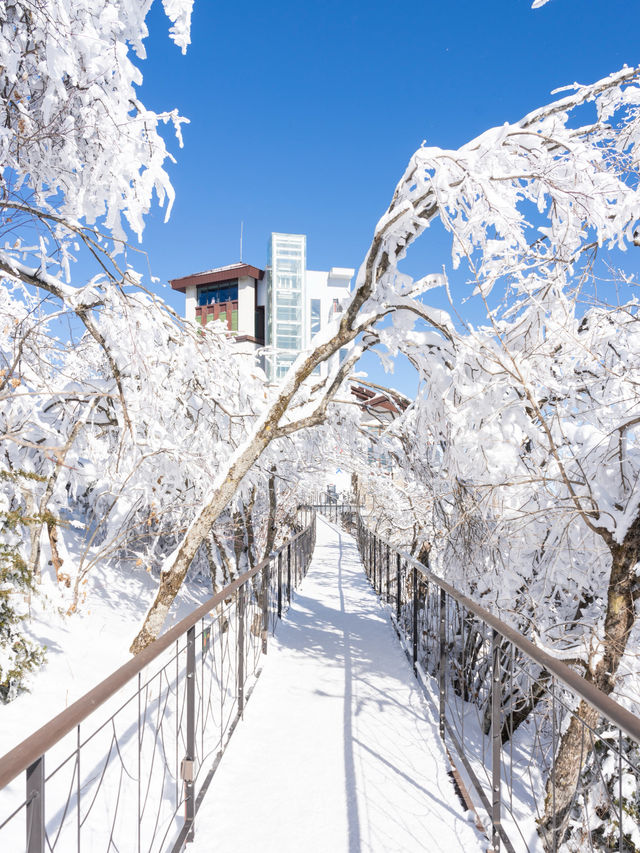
(526, 429)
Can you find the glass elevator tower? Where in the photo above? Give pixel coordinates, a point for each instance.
(286, 300)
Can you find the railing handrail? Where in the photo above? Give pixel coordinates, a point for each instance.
(608, 707)
(18, 759)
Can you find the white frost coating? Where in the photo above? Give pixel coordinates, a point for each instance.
(179, 11)
(519, 460)
(74, 130)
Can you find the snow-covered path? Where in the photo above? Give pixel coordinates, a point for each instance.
(338, 750)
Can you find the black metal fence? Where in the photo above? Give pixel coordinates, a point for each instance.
(126, 767)
(346, 514)
(551, 763)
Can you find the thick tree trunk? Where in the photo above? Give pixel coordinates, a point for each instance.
(576, 743)
(227, 482)
(178, 564)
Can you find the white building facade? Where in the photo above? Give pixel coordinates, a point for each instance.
(280, 307)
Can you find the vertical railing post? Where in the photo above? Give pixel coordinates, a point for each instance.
(79, 778)
(414, 632)
(305, 555)
(35, 807)
(371, 565)
(139, 773)
(554, 753)
(241, 604)
(388, 578)
(266, 571)
(280, 585)
(443, 660)
(289, 573)
(372, 574)
(398, 587)
(375, 563)
(188, 772)
(367, 548)
(496, 740)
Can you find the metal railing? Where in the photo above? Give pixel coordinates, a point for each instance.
(551, 762)
(345, 514)
(126, 767)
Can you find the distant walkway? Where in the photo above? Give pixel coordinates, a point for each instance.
(337, 751)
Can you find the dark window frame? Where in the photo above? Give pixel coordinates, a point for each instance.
(223, 291)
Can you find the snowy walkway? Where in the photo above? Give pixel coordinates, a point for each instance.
(337, 751)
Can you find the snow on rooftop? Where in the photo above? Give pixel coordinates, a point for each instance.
(222, 269)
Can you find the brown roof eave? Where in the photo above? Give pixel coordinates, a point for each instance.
(214, 276)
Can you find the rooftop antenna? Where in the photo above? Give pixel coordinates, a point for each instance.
(241, 230)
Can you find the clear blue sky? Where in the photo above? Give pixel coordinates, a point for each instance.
(303, 115)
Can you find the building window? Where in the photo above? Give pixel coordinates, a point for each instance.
(283, 363)
(226, 291)
(286, 298)
(316, 319)
(288, 336)
(288, 313)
